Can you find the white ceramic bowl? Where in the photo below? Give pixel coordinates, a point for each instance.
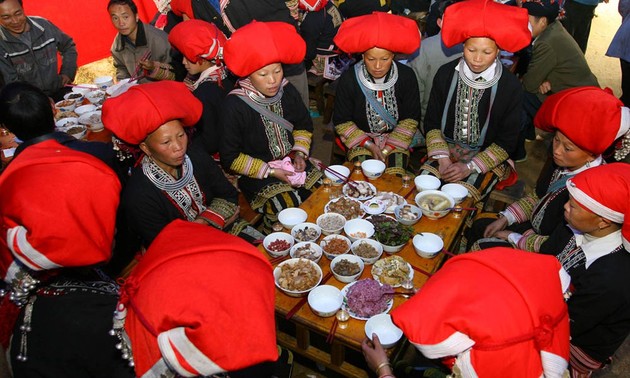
(315, 256)
(353, 259)
(374, 206)
(80, 110)
(291, 216)
(76, 96)
(457, 191)
(296, 293)
(303, 226)
(393, 248)
(372, 168)
(95, 97)
(77, 131)
(341, 170)
(427, 245)
(358, 229)
(66, 105)
(104, 82)
(387, 332)
(325, 300)
(63, 123)
(328, 239)
(84, 88)
(410, 209)
(92, 120)
(373, 243)
(426, 182)
(278, 236)
(432, 213)
(339, 219)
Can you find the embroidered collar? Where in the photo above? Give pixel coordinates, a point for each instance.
(141, 38)
(595, 163)
(214, 74)
(595, 248)
(488, 74)
(164, 181)
(367, 81)
(245, 86)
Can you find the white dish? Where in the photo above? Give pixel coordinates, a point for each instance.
(370, 190)
(376, 272)
(344, 292)
(294, 293)
(391, 200)
(291, 216)
(359, 213)
(374, 206)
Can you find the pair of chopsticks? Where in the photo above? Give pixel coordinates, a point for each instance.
(146, 56)
(460, 209)
(421, 271)
(331, 334)
(279, 259)
(79, 86)
(304, 300)
(339, 175)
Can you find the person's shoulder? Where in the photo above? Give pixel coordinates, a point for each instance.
(150, 29)
(41, 23)
(404, 71)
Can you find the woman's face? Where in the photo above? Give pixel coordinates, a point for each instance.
(567, 155)
(195, 68)
(268, 79)
(480, 53)
(378, 61)
(167, 145)
(580, 218)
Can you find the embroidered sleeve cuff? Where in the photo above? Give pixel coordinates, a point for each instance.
(249, 166)
(302, 141)
(436, 145)
(531, 241)
(218, 211)
(350, 134)
(489, 158)
(402, 135)
(162, 71)
(522, 209)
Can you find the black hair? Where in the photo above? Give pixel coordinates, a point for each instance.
(25, 110)
(443, 4)
(130, 3)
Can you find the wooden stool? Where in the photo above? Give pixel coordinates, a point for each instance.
(498, 200)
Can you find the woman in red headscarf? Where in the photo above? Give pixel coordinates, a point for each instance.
(266, 127)
(593, 247)
(171, 181)
(474, 109)
(376, 104)
(202, 43)
(577, 146)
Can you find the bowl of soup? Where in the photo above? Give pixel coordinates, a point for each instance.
(434, 204)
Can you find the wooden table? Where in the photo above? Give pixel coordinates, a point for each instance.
(306, 326)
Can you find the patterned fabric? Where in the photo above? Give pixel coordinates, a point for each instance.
(162, 71)
(490, 158)
(249, 166)
(350, 134)
(213, 74)
(396, 160)
(383, 93)
(531, 241)
(402, 135)
(302, 141)
(220, 207)
(436, 145)
(582, 365)
(467, 127)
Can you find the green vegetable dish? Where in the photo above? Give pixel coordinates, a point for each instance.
(392, 233)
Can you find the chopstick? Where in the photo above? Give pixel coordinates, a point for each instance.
(145, 56)
(448, 253)
(78, 86)
(338, 175)
(302, 301)
(331, 333)
(421, 271)
(408, 194)
(458, 209)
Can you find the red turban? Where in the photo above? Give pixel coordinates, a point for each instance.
(258, 44)
(135, 114)
(57, 209)
(590, 117)
(500, 311)
(507, 25)
(197, 39)
(182, 7)
(397, 34)
(605, 190)
(201, 300)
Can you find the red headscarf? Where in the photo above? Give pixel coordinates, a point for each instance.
(397, 34)
(197, 39)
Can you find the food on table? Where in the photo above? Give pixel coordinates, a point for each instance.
(391, 200)
(335, 246)
(376, 219)
(393, 270)
(279, 245)
(367, 298)
(65, 103)
(306, 252)
(74, 130)
(331, 222)
(366, 250)
(346, 268)
(392, 232)
(306, 234)
(407, 213)
(94, 118)
(61, 115)
(359, 235)
(347, 207)
(74, 96)
(434, 202)
(299, 276)
(359, 189)
(70, 123)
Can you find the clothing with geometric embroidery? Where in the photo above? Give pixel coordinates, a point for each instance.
(599, 307)
(149, 209)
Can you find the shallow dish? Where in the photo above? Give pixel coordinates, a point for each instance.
(391, 200)
(358, 229)
(427, 245)
(275, 237)
(374, 206)
(350, 208)
(457, 191)
(325, 300)
(351, 258)
(92, 120)
(290, 263)
(408, 214)
(361, 190)
(77, 131)
(291, 216)
(372, 168)
(306, 231)
(331, 223)
(84, 88)
(66, 123)
(434, 204)
(426, 182)
(387, 332)
(367, 260)
(341, 170)
(315, 253)
(95, 97)
(392, 270)
(339, 240)
(344, 292)
(80, 110)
